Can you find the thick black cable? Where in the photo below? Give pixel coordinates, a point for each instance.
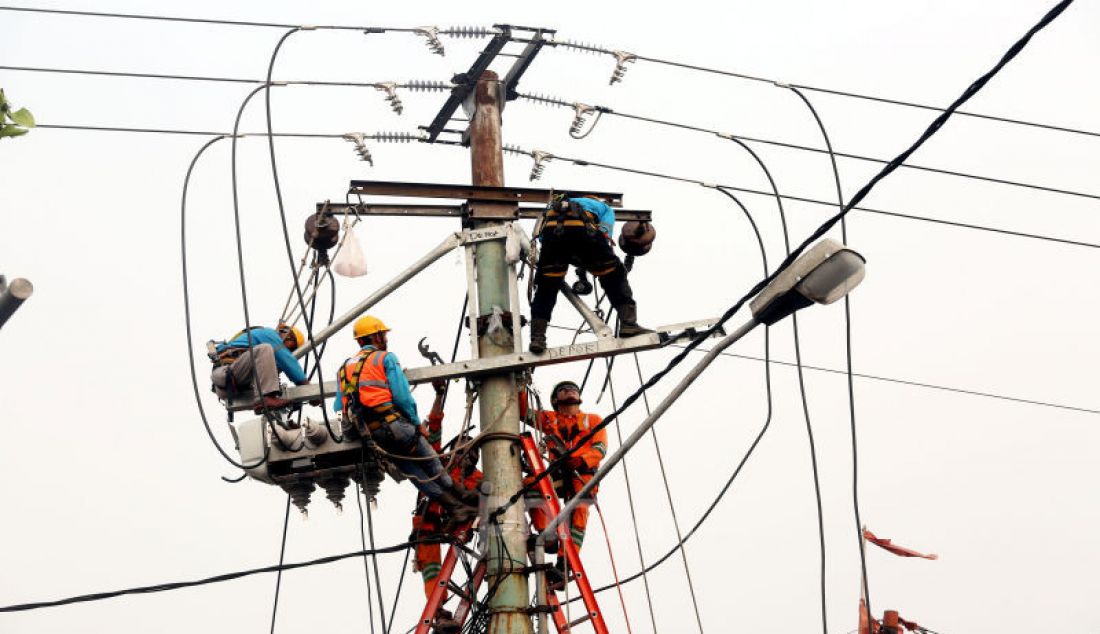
(864, 583)
(187, 317)
(279, 575)
(936, 124)
(240, 266)
(359, 495)
(400, 584)
(377, 577)
(286, 233)
(229, 576)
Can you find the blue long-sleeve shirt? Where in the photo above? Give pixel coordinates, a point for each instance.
(399, 387)
(605, 215)
(285, 361)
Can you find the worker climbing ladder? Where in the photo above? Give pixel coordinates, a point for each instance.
(548, 503)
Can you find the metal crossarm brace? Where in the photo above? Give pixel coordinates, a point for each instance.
(466, 82)
(602, 347)
(473, 192)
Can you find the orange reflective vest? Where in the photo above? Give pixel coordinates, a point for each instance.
(371, 385)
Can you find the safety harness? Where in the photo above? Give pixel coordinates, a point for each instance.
(368, 418)
(566, 213)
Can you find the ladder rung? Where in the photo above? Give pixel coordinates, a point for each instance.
(582, 619)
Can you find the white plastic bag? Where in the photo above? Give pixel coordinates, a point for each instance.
(350, 261)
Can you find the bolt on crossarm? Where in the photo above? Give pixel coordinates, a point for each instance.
(507, 542)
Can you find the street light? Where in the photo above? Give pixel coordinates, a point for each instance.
(823, 274)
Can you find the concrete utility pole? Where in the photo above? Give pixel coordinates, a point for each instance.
(497, 392)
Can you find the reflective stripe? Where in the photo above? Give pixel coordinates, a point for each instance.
(373, 383)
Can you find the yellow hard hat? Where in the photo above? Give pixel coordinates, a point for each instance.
(366, 326)
(298, 336)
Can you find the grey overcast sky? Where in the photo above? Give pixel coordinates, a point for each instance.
(109, 480)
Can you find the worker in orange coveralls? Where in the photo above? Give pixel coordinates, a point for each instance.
(562, 429)
(429, 517)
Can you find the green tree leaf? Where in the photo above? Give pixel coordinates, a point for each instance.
(23, 117)
(11, 130)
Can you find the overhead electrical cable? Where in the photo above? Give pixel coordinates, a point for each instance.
(166, 18)
(568, 44)
(586, 163)
(601, 109)
(187, 319)
(229, 576)
(279, 575)
(805, 148)
(963, 225)
(866, 593)
(831, 91)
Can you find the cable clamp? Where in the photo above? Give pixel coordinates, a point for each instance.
(780, 84)
(709, 185)
(723, 135)
(307, 27)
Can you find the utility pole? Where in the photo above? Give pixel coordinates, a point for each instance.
(499, 406)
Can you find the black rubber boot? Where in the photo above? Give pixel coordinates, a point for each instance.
(538, 334)
(628, 322)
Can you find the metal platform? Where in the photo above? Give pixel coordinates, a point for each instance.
(600, 347)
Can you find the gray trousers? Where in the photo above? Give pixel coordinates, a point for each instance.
(266, 373)
(403, 438)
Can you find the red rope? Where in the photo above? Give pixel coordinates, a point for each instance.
(614, 569)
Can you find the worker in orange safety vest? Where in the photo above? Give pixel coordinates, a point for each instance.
(431, 518)
(376, 401)
(562, 429)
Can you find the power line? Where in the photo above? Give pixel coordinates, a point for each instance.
(414, 85)
(888, 379)
(930, 386)
(229, 576)
(601, 109)
(568, 44)
(882, 212)
(166, 18)
(831, 91)
(585, 163)
(805, 148)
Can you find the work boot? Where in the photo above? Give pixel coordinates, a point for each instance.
(445, 622)
(538, 334)
(555, 576)
(628, 322)
(458, 512)
(582, 286)
(270, 401)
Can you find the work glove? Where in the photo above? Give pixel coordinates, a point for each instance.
(577, 462)
(440, 385)
(317, 402)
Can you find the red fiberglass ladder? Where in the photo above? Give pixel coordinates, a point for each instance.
(551, 507)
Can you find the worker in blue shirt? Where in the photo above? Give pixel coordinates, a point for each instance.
(578, 231)
(240, 372)
(376, 402)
